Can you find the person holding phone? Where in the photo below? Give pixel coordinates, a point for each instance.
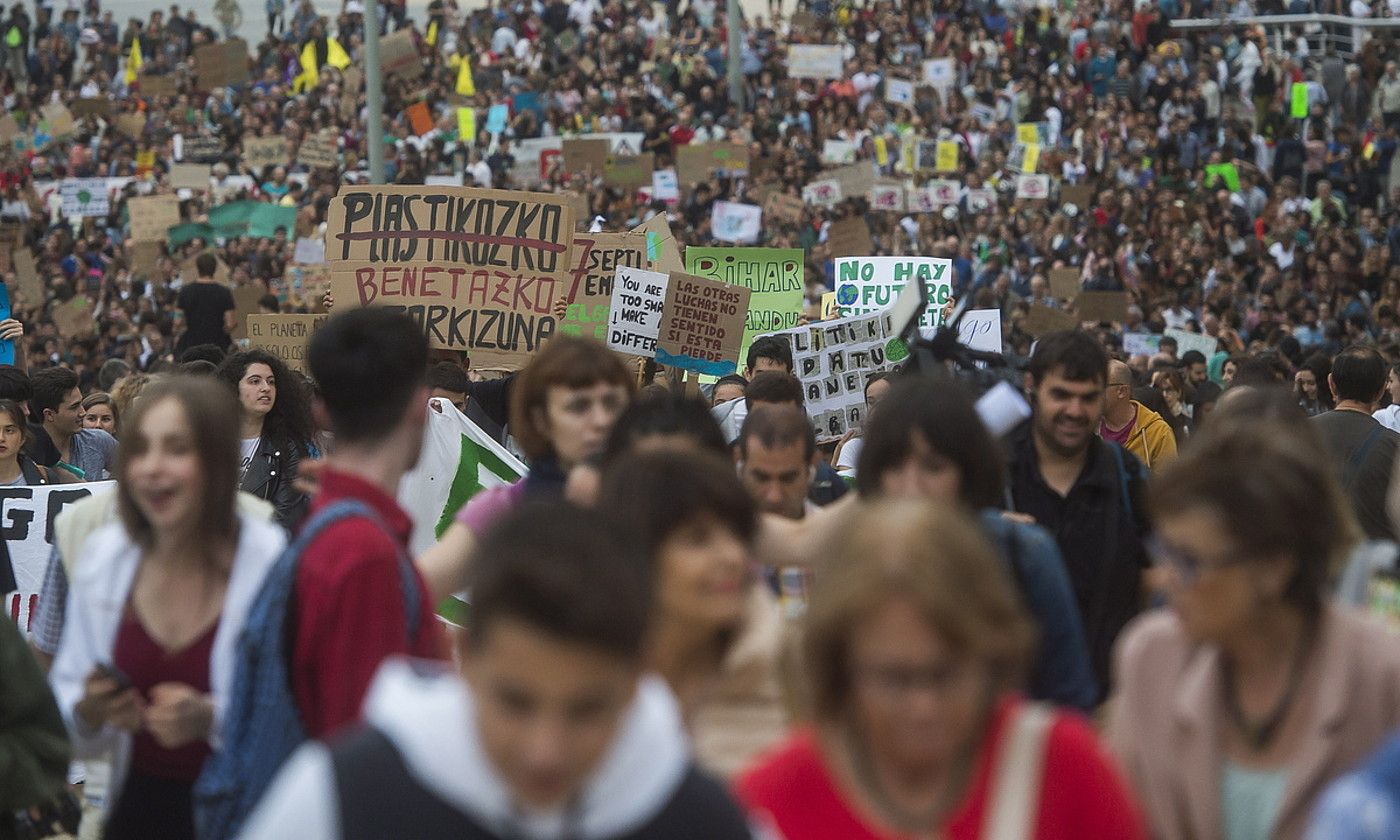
(157, 604)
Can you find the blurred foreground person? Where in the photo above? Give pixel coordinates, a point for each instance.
(1236, 706)
(914, 644)
(551, 731)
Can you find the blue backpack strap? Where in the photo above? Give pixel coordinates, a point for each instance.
(1122, 478)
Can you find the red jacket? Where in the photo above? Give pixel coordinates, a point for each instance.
(1082, 794)
(348, 614)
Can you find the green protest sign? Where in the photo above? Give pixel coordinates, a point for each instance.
(1300, 100)
(1227, 171)
(774, 275)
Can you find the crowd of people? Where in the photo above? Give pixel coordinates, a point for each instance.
(1163, 604)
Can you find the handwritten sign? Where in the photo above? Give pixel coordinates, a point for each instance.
(284, 336)
(834, 360)
(480, 270)
(221, 64)
(815, 61)
(702, 325)
(152, 216)
(774, 275)
(84, 197)
(784, 206)
(849, 238)
(585, 154)
(261, 152)
(1064, 283)
(866, 285)
(634, 319)
(980, 329)
(698, 162)
(597, 257)
(318, 152)
(29, 514)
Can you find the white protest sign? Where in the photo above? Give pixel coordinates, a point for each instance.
(870, 284)
(634, 316)
(921, 200)
(899, 92)
(839, 151)
(940, 74)
(1193, 341)
(981, 200)
(1140, 344)
(833, 360)
(822, 193)
(84, 197)
(28, 514)
(887, 197)
(665, 186)
(309, 251)
(1033, 186)
(740, 223)
(980, 329)
(943, 191)
(814, 61)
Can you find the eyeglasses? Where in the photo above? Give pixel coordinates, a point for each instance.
(893, 681)
(1189, 567)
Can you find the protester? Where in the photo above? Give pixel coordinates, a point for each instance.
(771, 389)
(448, 381)
(1132, 425)
(848, 450)
(551, 730)
(157, 606)
(729, 388)
(1390, 415)
(205, 310)
(56, 404)
(928, 443)
(274, 428)
(1363, 450)
(913, 648)
(768, 354)
(1236, 707)
(100, 412)
(1179, 402)
(778, 452)
(1085, 491)
(718, 632)
(34, 749)
(16, 468)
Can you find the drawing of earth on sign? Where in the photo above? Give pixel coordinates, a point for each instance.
(896, 350)
(846, 295)
(84, 197)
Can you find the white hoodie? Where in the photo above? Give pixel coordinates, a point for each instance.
(421, 714)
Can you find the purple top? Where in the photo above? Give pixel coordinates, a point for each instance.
(482, 510)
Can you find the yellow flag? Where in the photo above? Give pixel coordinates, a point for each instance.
(882, 151)
(310, 73)
(431, 37)
(466, 125)
(133, 61)
(947, 160)
(1027, 133)
(1031, 159)
(336, 56)
(466, 86)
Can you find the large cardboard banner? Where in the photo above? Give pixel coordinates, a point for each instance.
(480, 270)
(222, 64)
(26, 525)
(774, 275)
(702, 324)
(151, 216)
(870, 284)
(597, 257)
(834, 359)
(284, 336)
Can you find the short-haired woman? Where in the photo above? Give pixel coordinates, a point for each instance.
(157, 605)
(1235, 708)
(914, 643)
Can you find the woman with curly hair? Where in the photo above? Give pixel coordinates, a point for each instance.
(275, 427)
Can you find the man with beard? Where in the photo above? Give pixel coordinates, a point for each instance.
(1086, 491)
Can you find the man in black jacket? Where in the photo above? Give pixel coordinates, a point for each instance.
(552, 730)
(1084, 490)
(1363, 451)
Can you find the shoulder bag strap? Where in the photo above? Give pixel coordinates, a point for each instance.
(1358, 458)
(1014, 798)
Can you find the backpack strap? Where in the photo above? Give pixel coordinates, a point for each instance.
(1126, 497)
(354, 508)
(1020, 771)
(1358, 458)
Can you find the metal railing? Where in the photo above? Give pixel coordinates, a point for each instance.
(1326, 34)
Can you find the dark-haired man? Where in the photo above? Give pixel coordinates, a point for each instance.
(56, 405)
(771, 388)
(551, 730)
(204, 308)
(1084, 490)
(1363, 451)
(768, 353)
(778, 453)
(350, 612)
(450, 382)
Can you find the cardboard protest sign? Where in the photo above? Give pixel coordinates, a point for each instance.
(856, 179)
(398, 55)
(1033, 187)
(85, 197)
(634, 317)
(201, 149)
(815, 61)
(697, 162)
(284, 336)
(59, 118)
(825, 193)
(734, 222)
(1187, 341)
(1043, 319)
(29, 513)
(221, 64)
(849, 238)
(144, 257)
(261, 152)
(27, 276)
(1106, 307)
(481, 270)
(152, 85)
(96, 106)
(1064, 283)
(702, 325)
(1080, 195)
(774, 275)
(630, 171)
(73, 317)
(833, 360)
(1141, 344)
(784, 206)
(245, 304)
(189, 177)
(662, 251)
(132, 125)
(585, 153)
(597, 257)
(871, 284)
(151, 216)
(318, 152)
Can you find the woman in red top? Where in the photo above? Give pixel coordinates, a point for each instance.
(914, 642)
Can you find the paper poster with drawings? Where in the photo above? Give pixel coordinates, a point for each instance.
(899, 92)
(838, 151)
(981, 200)
(921, 200)
(733, 222)
(1141, 344)
(1033, 187)
(887, 197)
(940, 74)
(944, 191)
(822, 193)
(834, 359)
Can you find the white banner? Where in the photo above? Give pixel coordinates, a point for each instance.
(84, 197)
(870, 284)
(26, 525)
